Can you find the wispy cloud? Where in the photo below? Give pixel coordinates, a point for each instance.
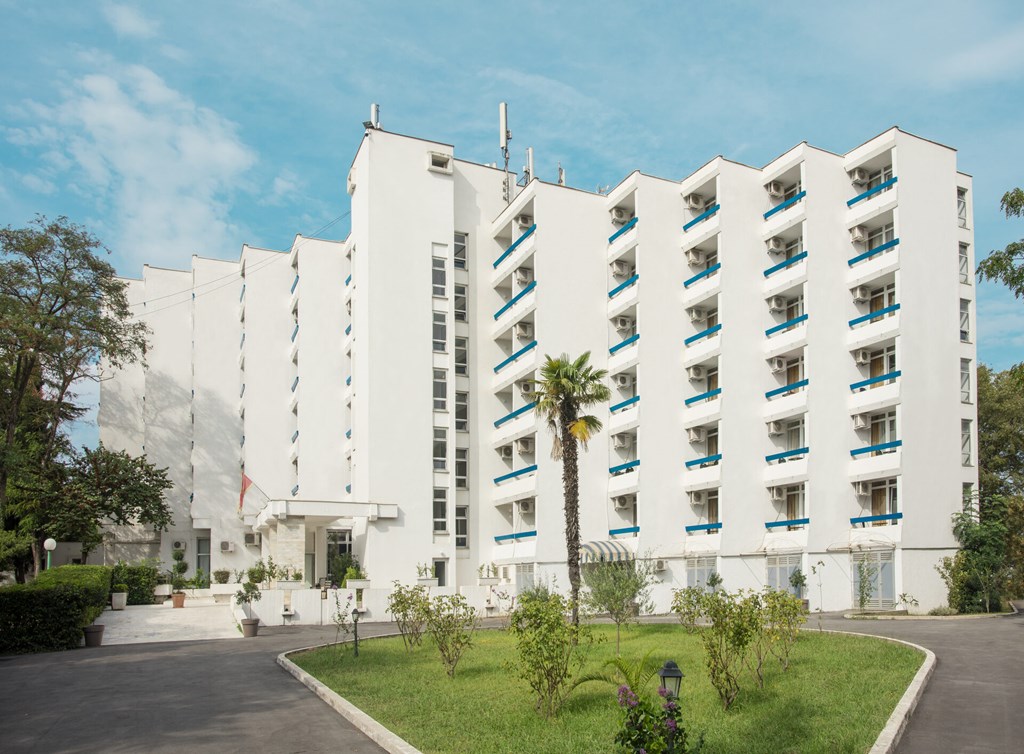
(993, 59)
(127, 21)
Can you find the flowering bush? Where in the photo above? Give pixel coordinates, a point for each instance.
(650, 729)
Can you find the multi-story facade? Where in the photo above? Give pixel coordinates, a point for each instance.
(803, 393)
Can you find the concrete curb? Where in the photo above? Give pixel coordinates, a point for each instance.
(372, 729)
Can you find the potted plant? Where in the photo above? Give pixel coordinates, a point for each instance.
(426, 575)
(221, 576)
(249, 593)
(355, 578)
(119, 597)
(487, 575)
(178, 578)
(798, 581)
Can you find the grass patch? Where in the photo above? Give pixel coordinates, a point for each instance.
(836, 696)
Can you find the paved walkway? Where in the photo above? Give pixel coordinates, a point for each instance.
(200, 619)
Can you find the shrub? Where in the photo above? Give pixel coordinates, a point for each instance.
(620, 589)
(942, 610)
(650, 730)
(93, 581)
(140, 579)
(726, 642)
(248, 594)
(688, 603)
(409, 606)
(257, 574)
(783, 614)
(119, 588)
(41, 618)
(178, 570)
(221, 575)
(451, 623)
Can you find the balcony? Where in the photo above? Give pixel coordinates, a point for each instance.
(623, 468)
(874, 202)
(710, 332)
(873, 252)
(710, 395)
(785, 205)
(624, 483)
(622, 240)
(516, 356)
(711, 460)
(702, 217)
(516, 488)
(624, 415)
(514, 425)
(624, 354)
(784, 274)
(516, 474)
(513, 537)
(788, 325)
(786, 455)
(875, 461)
(702, 409)
(519, 244)
(792, 525)
(886, 519)
(790, 388)
(516, 299)
(519, 545)
(865, 384)
(711, 528)
(702, 275)
(626, 531)
(873, 191)
(624, 344)
(876, 449)
(786, 471)
(623, 286)
(623, 230)
(875, 398)
(874, 327)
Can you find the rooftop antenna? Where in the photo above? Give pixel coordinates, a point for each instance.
(527, 168)
(561, 175)
(505, 137)
(374, 121)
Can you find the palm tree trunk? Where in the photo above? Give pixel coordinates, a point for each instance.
(571, 489)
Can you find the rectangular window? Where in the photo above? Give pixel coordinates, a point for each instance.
(709, 203)
(794, 308)
(792, 190)
(884, 500)
(459, 252)
(462, 526)
(711, 446)
(462, 468)
(965, 380)
(462, 412)
(203, 556)
(967, 496)
(780, 568)
(440, 449)
(710, 259)
(883, 430)
(961, 207)
(965, 442)
(965, 266)
(795, 497)
(440, 390)
(698, 570)
(882, 362)
(795, 436)
(879, 177)
(877, 568)
(712, 379)
(882, 235)
(438, 276)
(339, 544)
(712, 509)
(461, 303)
(881, 298)
(440, 332)
(462, 356)
(794, 247)
(440, 509)
(794, 372)
(965, 321)
(525, 579)
(712, 320)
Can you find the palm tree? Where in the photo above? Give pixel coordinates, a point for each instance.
(567, 387)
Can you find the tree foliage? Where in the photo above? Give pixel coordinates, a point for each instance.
(1000, 431)
(409, 606)
(620, 589)
(1006, 266)
(451, 622)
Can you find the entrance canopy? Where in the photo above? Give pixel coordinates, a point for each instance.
(605, 552)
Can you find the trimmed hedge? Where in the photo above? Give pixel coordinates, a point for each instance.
(94, 581)
(41, 619)
(140, 578)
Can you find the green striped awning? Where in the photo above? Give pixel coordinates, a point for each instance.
(605, 552)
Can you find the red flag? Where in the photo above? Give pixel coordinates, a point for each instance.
(246, 481)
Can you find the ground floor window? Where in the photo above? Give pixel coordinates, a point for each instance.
(339, 553)
(203, 557)
(878, 568)
(698, 570)
(780, 568)
(525, 579)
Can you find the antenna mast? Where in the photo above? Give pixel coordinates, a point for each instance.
(504, 138)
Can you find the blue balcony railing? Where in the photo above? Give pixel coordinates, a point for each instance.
(703, 396)
(876, 519)
(348, 434)
(793, 522)
(624, 404)
(348, 488)
(872, 191)
(517, 473)
(517, 535)
(879, 448)
(295, 333)
(624, 530)
(786, 454)
(528, 347)
(702, 217)
(619, 346)
(515, 245)
(793, 386)
(624, 467)
(348, 380)
(348, 329)
(518, 412)
(516, 299)
(702, 274)
(623, 230)
(348, 281)
(295, 435)
(703, 334)
(785, 263)
(295, 383)
(622, 286)
(785, 325)
(875, 380)
(873, 252)
(295, 490)
(877, 314)
(295, 284)
(705, 461)
(704, 527)
(785, 205)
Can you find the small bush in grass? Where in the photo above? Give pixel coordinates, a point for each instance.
(409, 606)
(140, 577)
(942, 610)
(688, 604)
(451, 623)
(342, 617)
(620, 589)
(726, 642)
(784, 613)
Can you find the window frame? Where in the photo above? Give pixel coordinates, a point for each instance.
(441, 381)
(462, 356)
(461, 411)
(438, 272)
(440, 442)
(462, 468)
(461, 527)
(440, 336)
(460, 251)
(440, 522)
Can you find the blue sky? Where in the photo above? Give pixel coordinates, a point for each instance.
(193, 127)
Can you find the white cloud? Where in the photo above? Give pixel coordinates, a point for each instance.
(37, 184)
(991, 59)
(127, 21)
(282, 189)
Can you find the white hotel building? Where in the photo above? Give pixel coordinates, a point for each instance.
(790, 349)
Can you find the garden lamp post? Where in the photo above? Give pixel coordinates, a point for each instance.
(49, 545)
(671, 678)
(355, 628)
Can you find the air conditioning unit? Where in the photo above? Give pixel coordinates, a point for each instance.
(253, 540)
(524, 330)
(623, 502)
(660, 566)
(621, 269)
(694, 201)
(858, 234)
(775, 428)
(777, 494)
(777, 364)
(698, 497)
(620, 215)
(697, 434)
(774, 189)
(862, 489)
(623, 441)
(524, 221)
(696, 373)
(526, 387)
(526, 507)
(861, 421)
(696, 314)
(623, 380)
(524, 275)
(695, 257)
(858, 176)
(861, 294)
(862, 356)
(622, 324)
(505, 451)
(775, 245)
(226, 546)
(179, 544)
(776, 304)
(524, 445)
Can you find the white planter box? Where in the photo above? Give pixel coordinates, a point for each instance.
(291, 585)
(162, 590)
(487, 581)
(357, 584)
(425, 582)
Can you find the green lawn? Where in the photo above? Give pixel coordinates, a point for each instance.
(836, 696)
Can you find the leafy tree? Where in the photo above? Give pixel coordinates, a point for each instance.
(410, 606)
(1000, 431)
(451, 622)
(1007, 266)
(983, 539)
(620, 589)
(566, 388)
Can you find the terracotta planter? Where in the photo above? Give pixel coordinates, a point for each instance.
(93, 635)
(118, 600)
(178, 599)
(250, 627)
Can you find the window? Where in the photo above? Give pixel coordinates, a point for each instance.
(461, 303)
(879, 177)
(438, 276)
(884, 500)
(459, 252)
(712, 320)
(712, 379)
(882, 235)
(780, 568)
(441, 572)
(440, 390)
(795, 497)
(698, 570)
(965, 442)
(709, 203)
(965, 321)
(794, 372)
(881, 298)
(203, 556)
(965, 266)
(440, 509)
(961, 207)
(462, 526)
(965, 380)
(462, 356)
(710, 259)
(883, 430)
(794, 308)
(876, 566)
(339, 544)
(795, 436)
(712, 509)
(462, 468)
(440, 332)
(792, 190)
(440, 449)
(794, 247)
(882, 362)
(525, 579)
(462, 412)
(711, 446)
(967, 494)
